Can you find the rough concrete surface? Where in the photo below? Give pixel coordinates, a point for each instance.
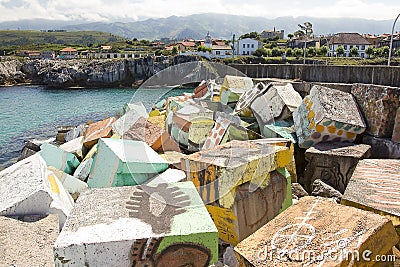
(28, 243)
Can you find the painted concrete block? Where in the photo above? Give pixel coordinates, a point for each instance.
(253, 207)
(74, 146)
(143, 130)
(83, 170)
(379, 105)
(124, 162)
(327, 115)
(158, 120)
(71, 184)
(175, 103)
(190, 126)
(100, 129)
(78, 131)
(333, 163)
(131, 106)
(169, 176)
(382, 148)
(123, 124)
(233, 87)
(281, 129)
(277, 103)
(173, 158)
(374, 186)
(28, 243)
(162, 225)
(59, 158)
(27, 187)
(222, 176)
(217, 172)
(318, 232)
(396, 128)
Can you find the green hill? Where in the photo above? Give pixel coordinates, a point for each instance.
(34, 39)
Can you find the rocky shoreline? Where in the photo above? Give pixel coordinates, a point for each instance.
(84, 72)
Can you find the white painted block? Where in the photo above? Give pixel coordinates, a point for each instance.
(28, 188)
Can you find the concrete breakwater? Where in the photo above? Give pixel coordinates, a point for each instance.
(85, 73)
(214, 178)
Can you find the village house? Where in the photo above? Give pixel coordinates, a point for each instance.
(247, 46)
(68, 53)
(385, 41)
(348, 41)
(268, 34)
(47, 54)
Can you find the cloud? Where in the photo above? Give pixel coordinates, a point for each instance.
(102, 10)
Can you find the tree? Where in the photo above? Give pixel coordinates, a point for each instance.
(298, 52)
(299, 33)
(260, 52)
(311, 51)
(322, 51)
(385, 51)
(252, 35)
(202, 48)
(174, 51)
(369, 51)
(340, 51)
(290, 36)
(289, 52)
(354, 51)
(276, 52)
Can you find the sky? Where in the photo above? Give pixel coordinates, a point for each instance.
(133, 10)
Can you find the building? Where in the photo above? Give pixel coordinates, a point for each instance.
(298, 42)
(384, 40)
(348, 41)
(247, 46)
(47, 55)
(268, 34)
(68, 53)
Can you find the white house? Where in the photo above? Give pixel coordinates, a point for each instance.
(348, 41)
(247, 46)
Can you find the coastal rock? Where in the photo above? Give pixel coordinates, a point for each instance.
(10, 72)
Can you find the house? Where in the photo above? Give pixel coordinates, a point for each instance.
(221, 50)
(384, 40)
(373, 39)
(268, 34)
(30, 54)
(68, 53)
(348, 41)
(298, 42)
(105, 48)
(47, 55)
(247, 46)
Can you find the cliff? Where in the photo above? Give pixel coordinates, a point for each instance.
(85, 73)
(10, 72)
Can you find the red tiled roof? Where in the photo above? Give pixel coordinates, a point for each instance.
(68, 49)
(349, 39)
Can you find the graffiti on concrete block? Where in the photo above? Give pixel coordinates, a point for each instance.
(157, 205)
(144, 253)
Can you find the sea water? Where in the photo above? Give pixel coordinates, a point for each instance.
(35, 112)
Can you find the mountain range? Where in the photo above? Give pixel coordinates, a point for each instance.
(196, 26)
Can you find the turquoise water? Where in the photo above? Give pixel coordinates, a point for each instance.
(35, 112)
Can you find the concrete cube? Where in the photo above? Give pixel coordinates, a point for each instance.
(333, 163)
(327, 115)
(318, 232)
(277, 103)
(225, 175)
(396, 128)
(123, 124)
(233, 87)
(27, 188)
(374, 186)
(124, 162)
(28, 242)
(143, 130)
(160, 225)
(379, 105)
(97, 130)
(74, 146)
(58, 158)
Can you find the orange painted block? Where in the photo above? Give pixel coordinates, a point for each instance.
(95, 131)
